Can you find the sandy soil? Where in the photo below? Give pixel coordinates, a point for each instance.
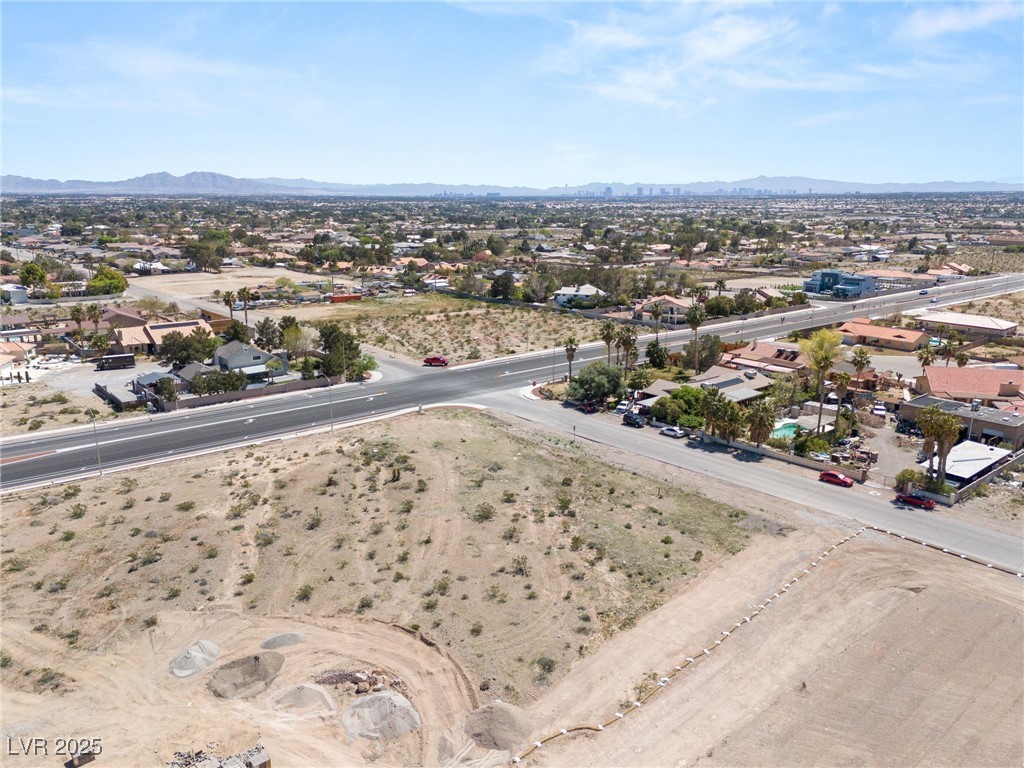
(28, 407)
(201, 285)
(884, 656)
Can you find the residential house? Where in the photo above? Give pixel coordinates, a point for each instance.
(186, 374)
(976, 326)
(738, 386)
(861, 331)
(157, 332)
(584, 293)
(991, 386)
(769, 358)
(673, 309)
(250, 360)
(983, 423)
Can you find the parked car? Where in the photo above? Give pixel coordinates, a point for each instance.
(836, 478)
(623, 406)
(631, 419)
(587, 407)
(915, 500)
(675, 432)
(438, 360)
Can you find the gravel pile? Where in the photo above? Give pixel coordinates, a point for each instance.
(498, 726)
(384, 715)
(194, 659)
(302, 698)
(282, 640)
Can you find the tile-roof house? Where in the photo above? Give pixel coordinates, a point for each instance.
(766, 357)
(238, 356)
(990, 385)
(861, 331)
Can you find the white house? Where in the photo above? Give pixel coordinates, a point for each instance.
(568, 294)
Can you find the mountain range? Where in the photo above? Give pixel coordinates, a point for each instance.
(205, 183)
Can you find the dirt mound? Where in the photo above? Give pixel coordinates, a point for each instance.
(246, 677)
(194, 659)
(498, 726)
(282, 640)
(384, 715)
(302, 699)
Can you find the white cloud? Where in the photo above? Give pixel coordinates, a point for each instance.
(929, 22)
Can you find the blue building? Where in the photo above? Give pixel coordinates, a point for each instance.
(842, 285)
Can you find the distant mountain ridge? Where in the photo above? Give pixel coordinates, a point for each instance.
(206, 183)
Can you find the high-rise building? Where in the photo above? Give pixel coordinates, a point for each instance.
(639, 191)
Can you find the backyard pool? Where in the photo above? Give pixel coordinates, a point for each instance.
(785, 429)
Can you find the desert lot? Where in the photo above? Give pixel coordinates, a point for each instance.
(465, 560)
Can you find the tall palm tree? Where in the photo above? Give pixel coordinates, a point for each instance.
(695, 317)
(245, 296)
(228, 297)
(926, 422)
(925, 356)
(94, 312)
(608, 336)
(626, 345)
(760, 421)
(656, 313)
(571, 345)
(712, 410)
(861, 361)
(947, 432)
(719, 285)
(822, 351)
(841, 381)
(947, 351)
(731, 423)
(78, 316)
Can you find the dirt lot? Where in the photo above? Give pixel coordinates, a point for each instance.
(1007, 307)
(476, 560)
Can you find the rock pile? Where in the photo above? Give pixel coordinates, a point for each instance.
(359, 681)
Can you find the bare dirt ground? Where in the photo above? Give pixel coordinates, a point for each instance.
(884, 656)
(557, 579)
(201, 285)
(28, 407)
(1007, 307)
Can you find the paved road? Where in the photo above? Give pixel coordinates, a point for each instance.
(50, 457)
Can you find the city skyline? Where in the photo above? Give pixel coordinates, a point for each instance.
(515, 94)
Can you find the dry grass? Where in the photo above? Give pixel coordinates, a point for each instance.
(503, 549)
(28, 407)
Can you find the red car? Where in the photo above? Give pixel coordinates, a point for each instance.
(836, 478)
(436, 360)
(587, 407)
(915, 500)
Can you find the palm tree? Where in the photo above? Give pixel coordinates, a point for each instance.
(841, 381)
(95, 313)
(228, 298)
(720, 285)
(947, 351)
(925, 356)
(245, 296)
(822, 350)
(608, 337)
(78, 316)
(760, 421)
(861, 360)
(656, 313)
(712, 410)
(962, 358)
(926, 422)
(731, 423)
(947, 432)
(695, 317)
(571, 345)
(626, 345)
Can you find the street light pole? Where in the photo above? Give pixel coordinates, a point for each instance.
(330, 399)
(96, 437)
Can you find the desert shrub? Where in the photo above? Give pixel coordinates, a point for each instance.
(483, 513)
(304, 593)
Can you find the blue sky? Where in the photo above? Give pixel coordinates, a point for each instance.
(515, 93)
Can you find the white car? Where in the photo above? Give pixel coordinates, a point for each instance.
(623, 406)
(675, 432)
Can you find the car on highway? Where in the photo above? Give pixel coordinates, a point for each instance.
(588, 407)
(436, 360)
(631, 419)
(675, 432)
(835, 478)
(923, 292)
(915, 500)
(934, 300)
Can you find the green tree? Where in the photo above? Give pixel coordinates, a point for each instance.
(760, 421)
(822, 349)
(730, 421)
(268, 334)
(640, 378)
(656, 355)
(503, 286)
(228, 297)
(626, 347)
(712, 407)
(705, 351)
(720, 285)
(106, 281)
(236, 331)
(925, 356)
(861, 360)
(720, 306)
(598, 381)
(496, 245)
(167, 389)
(95, 313)
(246, 296)
(570, 345)
(78, 317)
(32, 275)
(841, 383)
(656, 314)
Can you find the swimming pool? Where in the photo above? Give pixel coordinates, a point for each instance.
(785, 429)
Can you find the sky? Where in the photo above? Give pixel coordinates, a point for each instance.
(511, 93)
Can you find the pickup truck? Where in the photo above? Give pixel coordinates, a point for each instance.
(437, 360)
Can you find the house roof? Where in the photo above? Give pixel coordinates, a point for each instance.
(856, 328)
(760, 354)
(233, 347)
(133, 336)
(969, 458)
(157, 331)
(963, 320)
(962, 383)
